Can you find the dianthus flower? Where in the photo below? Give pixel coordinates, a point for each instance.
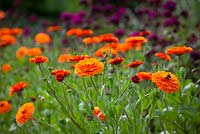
(166, 81)
(88, 67)
(25, 113)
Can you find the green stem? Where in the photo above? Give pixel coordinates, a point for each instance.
(94, 85)
(44, 123)
(86, 91)
(40, 67)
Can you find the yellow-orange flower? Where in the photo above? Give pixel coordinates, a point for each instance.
(91, 40)
(78, 58)
(54, 28)
(116, 60)
(16, 31)
(64, 58)
(135, 64)
(60, 74)
(135, 39)
(97, 113)
(79, 32)
(124, 47)
(166, 81)
(2, 14)
(88, 67)
(5, 68)
(144, 75)
(25, 113)
(38, 59)
(21, 52)
(34, 51)
(4, 31)
(163, 56)
(17, 87)
(42, 38)
(105, 50)
(7, 40)
(179, 50)
(144, 33)
(5, 106)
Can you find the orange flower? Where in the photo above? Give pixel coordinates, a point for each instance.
(79, 32)
(38, 59)
(179, 50)
(135, 79)
(163, 56)
(166, 81)
(135, 39)
(25, 113)
(42, 38)
(21, 52)
(2, 15)
(116, 61)
(5, 106)
(144, 75)
(64, 58)
(124, 47)
(4, 31)
(144, 33)
(54, 28)
(97, 113)
(34, 51)
(7, 40)
(135, 64)
(100, 52)
(16, 31)
(88, 67)
(17, 87)
(5, 68)
(60, 74)
(78, 58)
(91, 40)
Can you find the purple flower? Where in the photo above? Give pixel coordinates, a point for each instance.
(141, 11)
(95, 9)
(32, 18)
(108, 8)
(64, 41)
(76, 20)
(81, 14)
(119, 32)
(26, 31)
(167, 13)
(134, 34)
(84, 2)
(65, 16)
(153, 37)
(169, 5)
(152, 14)
(185, 14)
(115, 19)
(195, 54)
(192, 39)
(172, 21)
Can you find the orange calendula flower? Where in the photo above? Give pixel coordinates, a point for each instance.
(54, 28)
(116, 61)
(144, 33)
(91, 40)
(124, 47)
(5, 68)
(17, 88)
(7, 40)
(179, 50)
(25, 113)
(163, 56)
(21, 52)
(105, 51)
(42, 38)
(64, 58)
(38, 59)
(144, 75)
(79, 32)
(2, 15)
(97, 113)
(60, 74)
(88, 67)
(166, 81)
(78, 58)
(16, 31)
(34, 51)
(135, 39)
(5, 106)
(135, 64)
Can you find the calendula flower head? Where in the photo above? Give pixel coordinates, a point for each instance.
(16, 31)
(135, 79)
(5, 106)
(78, 58)
(38, 59)
(34, 51)
(105, 51)
(42, 38)
(17, 88)
(135, 39)
(135, 64)
(144, 75)
(64, 58)
(163, 56)
(21, 52)
(25, 113)
(2, 15)
(7, 40)
(179, 50)
(79, 32)
(97, 113)
(60, 74)
(124, 47)
(5, 68)
(88, 67)
(116, 61)
(54, 28)
(166, 81)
